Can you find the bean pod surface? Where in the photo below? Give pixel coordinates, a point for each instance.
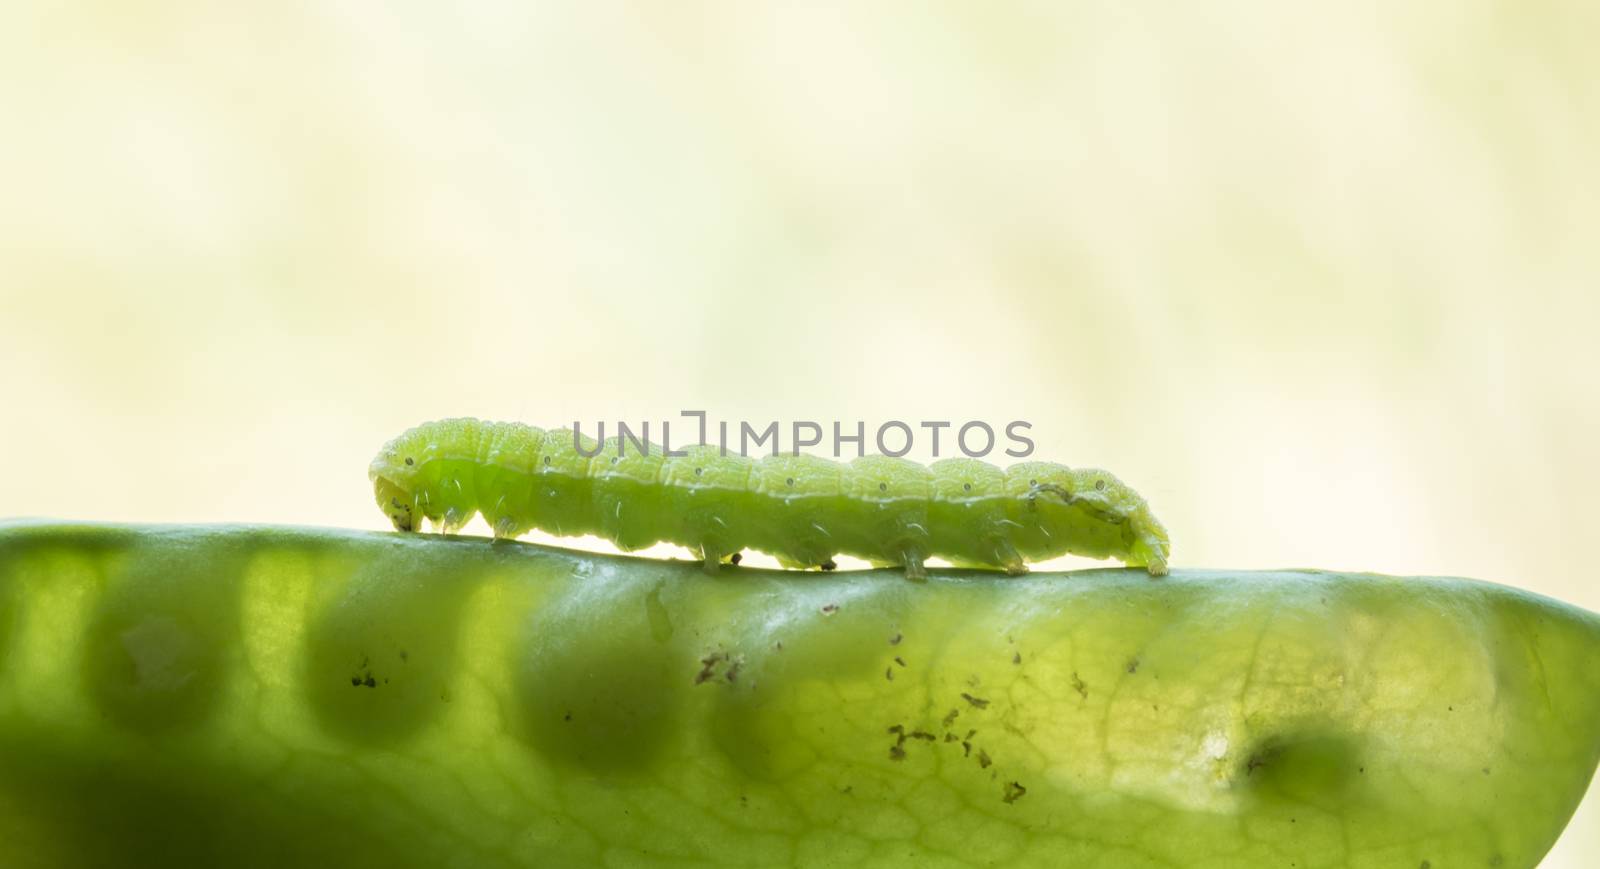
(262, 696)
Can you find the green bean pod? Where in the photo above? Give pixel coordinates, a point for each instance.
(266, 696)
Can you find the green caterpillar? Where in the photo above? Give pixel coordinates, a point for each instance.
(801, 509)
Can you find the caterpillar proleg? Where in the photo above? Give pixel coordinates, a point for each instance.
(801, 509)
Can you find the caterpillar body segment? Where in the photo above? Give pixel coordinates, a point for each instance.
(801, 509)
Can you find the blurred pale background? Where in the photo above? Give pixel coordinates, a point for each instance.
(1319, 280)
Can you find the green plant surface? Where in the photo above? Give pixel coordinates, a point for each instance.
(268, 696)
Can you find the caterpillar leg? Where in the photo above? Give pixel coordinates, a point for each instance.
(1007, 558)
(1157, 565)
(828, 565)
(1150, 550)
(454, 520)
(915, 570)
(735, 558)
(710, 558)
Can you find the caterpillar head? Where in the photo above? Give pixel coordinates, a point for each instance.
(394, 486)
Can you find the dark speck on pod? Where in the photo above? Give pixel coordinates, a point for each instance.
(384, 628)
(410, 461)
